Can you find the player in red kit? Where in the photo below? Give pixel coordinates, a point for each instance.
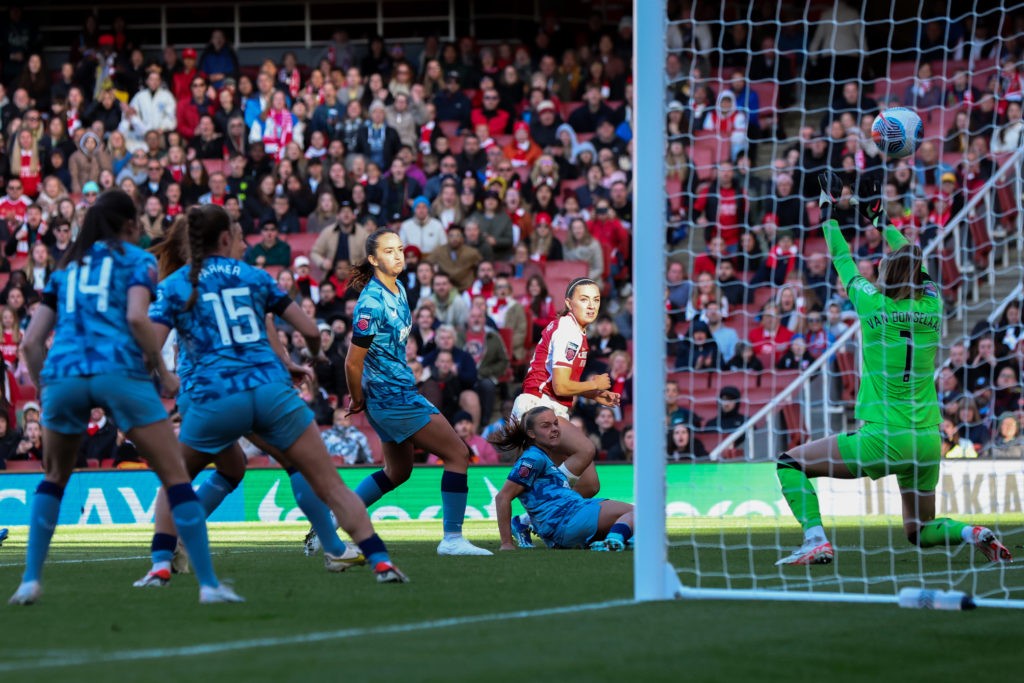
(553, 381)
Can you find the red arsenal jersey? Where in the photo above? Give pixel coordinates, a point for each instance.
(562, 345)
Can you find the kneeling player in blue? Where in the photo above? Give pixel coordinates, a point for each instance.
(238, 385)
(105, 353)
(380, 382)
(560, 515)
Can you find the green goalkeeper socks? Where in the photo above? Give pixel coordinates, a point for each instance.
(799, 493)
(942, 531)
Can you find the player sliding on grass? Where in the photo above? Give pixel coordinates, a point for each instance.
(900, 319)
(105, 353)
(172, 254)
(381, 383)
(560, 515)
(553, 381)
(237, 384)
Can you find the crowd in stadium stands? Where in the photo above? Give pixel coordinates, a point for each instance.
(506, 169)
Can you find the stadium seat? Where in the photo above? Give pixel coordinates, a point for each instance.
(24, 466)
(569, 107)
(848, 376)
(450, 129)
(107, 463)
(981, 240)
(301, 243)
(258, 462)
(213, 166)
(568, 270)
(793, 424)
(27, 392)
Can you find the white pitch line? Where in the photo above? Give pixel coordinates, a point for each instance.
(73, 658)
(133, 558)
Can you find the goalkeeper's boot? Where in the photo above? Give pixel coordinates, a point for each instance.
(27, 594)
(179, 563)
(813, 551)
(3, 535)
(521, 533)
(311, 546)
(389, 573)
(155, 578)
(988, 545)
(352, 557)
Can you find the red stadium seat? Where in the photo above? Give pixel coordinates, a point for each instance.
(259, 462)
(795, 432)
(568, 108)
(300, 242)
(27, 392)
(450, 129)
(213, 166)
(982, 240)
(24, 466)
(566, 269)
(850, 379)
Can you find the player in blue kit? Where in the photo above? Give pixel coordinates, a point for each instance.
(380, 382)
(105, 353)
(237, 384)
(172, 254)
(559, 514)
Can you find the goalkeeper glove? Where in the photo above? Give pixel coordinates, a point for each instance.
(869, 199)
(831, 192)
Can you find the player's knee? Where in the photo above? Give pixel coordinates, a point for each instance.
(398, 475)
(786, 462)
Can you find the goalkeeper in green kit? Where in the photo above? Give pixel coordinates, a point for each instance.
(901, 319)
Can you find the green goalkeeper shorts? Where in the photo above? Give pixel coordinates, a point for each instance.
(877, 450)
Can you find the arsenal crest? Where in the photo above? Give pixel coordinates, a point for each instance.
(570, 351)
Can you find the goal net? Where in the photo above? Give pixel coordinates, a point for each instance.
(739, 109)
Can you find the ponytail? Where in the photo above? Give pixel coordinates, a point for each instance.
(172, 252)
(205, 225)
(104, 222)
(514, 436)
(363, 272)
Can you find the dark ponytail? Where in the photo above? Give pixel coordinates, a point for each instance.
(513, 436)
(363, 272)
(104, 222)
(205, 225)
(172, 251)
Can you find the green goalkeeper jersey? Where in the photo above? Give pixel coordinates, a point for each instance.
(899, 343)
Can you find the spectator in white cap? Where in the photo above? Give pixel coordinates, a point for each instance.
(422, 230)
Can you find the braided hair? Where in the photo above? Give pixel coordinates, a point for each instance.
(205, 225)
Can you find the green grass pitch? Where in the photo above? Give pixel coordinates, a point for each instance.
(476, 618)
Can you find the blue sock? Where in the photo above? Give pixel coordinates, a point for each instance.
(162, 547)
(621, 531)
(214, 490)
(374, 487)
(45, 510)
(190, 519)
(318, 514)
(374, 551)
(454, 491)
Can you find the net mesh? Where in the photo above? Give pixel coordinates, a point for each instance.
(760, 100)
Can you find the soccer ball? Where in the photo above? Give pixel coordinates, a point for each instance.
(897, 131)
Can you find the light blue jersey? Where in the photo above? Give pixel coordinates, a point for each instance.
(554, 507)
(384, 316)
(92, 335)
(222, 337)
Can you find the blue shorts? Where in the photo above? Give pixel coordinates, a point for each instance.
(578, 531)
(397, 418)
(273, 412)
(129, 402)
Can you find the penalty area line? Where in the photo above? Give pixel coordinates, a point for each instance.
(76, 658)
